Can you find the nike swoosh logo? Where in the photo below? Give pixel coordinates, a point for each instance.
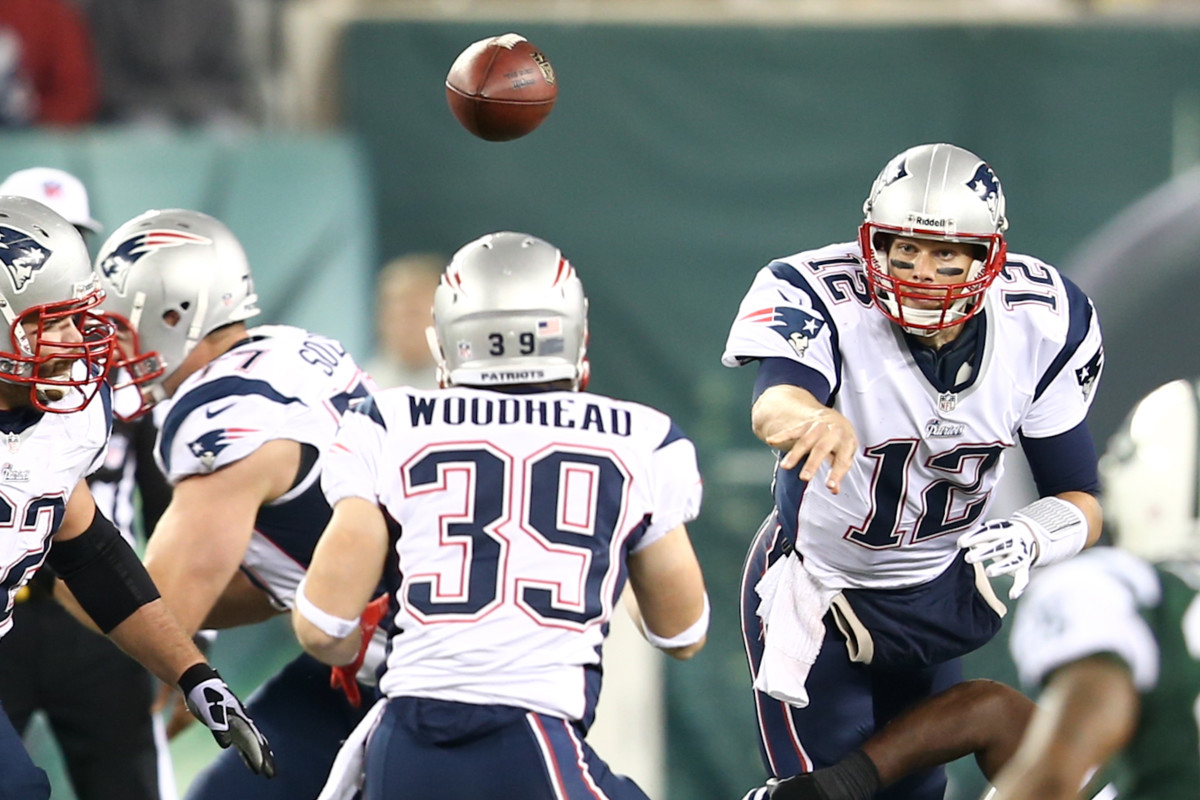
(210, 413)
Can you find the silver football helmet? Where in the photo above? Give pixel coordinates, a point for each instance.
(510, 309)
(172, 277)
(45, 282)
(940, 192)
(1150, 477)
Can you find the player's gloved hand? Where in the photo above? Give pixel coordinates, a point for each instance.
(345, 677)
(1008, 547)
(212, 702)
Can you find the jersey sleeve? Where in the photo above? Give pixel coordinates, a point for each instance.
(676, 488)
(351, 464)
(781, 317)
(220, 423)
(1083, 607)
(1066, 389)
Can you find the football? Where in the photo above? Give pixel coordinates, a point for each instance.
(501, 88)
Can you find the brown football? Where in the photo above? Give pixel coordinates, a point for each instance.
(501, 88)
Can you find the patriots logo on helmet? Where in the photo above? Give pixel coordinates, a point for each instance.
(207, 447)
(894, 171)
(797, 327)
(21, 255)
(116, 264)
(985, 183)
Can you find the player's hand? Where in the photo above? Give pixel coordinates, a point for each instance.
(1007, 547)
(345, 677)
(212, 702)
(827, 435)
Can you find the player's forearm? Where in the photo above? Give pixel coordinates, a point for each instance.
(782, 408)
(1071, 734)
(1090, 507)
(189, 589)
(152, 636)
(323, 647)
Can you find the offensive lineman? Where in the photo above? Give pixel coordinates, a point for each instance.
(504, 512)
(53, 368)
(910, 360)
(252, 411)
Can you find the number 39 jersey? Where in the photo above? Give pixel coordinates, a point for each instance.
(512, 516)
(1107, 601)
(44, 457)
(279, 383)
(928, 460)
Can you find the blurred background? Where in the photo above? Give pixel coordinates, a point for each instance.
(692, 142)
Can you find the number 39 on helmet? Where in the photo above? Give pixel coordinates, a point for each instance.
(510, 310)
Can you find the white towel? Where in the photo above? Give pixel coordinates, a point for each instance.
(792, 604)
(346, 775)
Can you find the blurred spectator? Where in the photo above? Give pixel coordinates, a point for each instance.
(47, 64)
(403, 310)
(169, 62)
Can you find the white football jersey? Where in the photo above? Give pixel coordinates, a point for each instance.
(928, 460)
(280, 383)
(40, 465)
(511, 516)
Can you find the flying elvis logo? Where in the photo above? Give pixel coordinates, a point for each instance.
(208, 446)
(116, 264)
(21, 255)
(798, 328)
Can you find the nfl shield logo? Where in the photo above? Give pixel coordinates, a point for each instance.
(947, 402)
(464, 350)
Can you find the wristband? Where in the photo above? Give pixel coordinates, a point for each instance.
(1060, 528)
(694, 633)
(328, 624)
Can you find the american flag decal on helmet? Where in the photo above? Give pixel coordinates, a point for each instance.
(116, 265)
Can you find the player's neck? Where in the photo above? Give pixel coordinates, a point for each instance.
(210, 347)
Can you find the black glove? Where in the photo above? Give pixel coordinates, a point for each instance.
(212, 702)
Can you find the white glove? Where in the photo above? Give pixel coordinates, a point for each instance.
(1009, 546)
(212, 702)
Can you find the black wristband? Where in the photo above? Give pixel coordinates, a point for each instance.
(195, 675)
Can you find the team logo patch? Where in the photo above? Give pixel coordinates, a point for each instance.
(116, 264)
(21, 255)
(1087, 375)
(985, 184)
(894, 171)
(208, 446)
(798, 328)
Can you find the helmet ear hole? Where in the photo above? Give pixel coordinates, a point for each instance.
(171, 317)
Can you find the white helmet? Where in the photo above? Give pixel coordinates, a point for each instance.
(47, 276)
(940, 192)
(1150, 478)
(172, 277)
(509, 310)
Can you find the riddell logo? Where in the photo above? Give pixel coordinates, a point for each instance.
(929, 222)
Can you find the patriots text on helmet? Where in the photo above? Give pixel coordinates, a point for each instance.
(553, 413)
